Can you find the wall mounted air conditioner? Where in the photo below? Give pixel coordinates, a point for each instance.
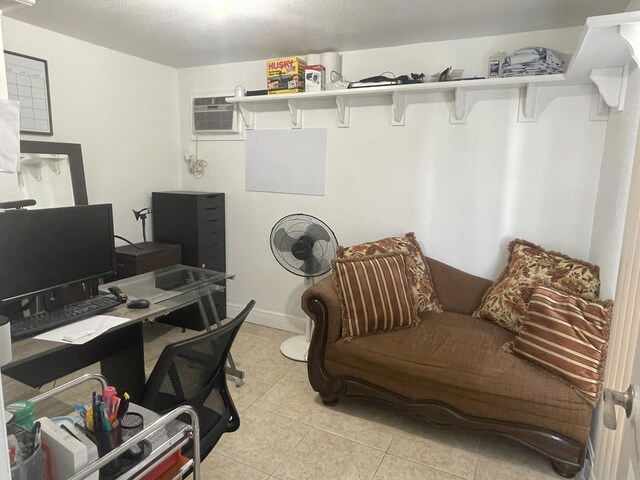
(213, 115)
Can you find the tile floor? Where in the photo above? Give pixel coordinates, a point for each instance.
(286, 432)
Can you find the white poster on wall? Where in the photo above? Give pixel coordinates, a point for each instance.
(286, 161)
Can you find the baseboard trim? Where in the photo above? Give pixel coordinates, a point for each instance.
(589, 465)
(270, 319)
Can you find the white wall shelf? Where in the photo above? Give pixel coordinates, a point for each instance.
(608, 45)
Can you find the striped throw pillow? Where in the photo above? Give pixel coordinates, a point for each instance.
(374, 294)
(567, 336)
(423, 293)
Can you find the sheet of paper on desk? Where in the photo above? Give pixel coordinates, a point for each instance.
(83, 331)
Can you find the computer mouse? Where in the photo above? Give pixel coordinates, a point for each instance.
(138, 303)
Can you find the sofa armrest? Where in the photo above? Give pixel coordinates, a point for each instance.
(320, 302)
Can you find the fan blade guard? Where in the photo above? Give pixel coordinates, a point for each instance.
(303, 245)
(283, 241)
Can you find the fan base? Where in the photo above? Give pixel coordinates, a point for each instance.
(295, 348)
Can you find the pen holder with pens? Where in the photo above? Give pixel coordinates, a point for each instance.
(107, 441)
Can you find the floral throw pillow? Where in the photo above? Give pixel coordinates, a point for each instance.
(506, 302)
(423, 293)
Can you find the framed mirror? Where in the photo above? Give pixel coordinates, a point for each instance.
(52, 173)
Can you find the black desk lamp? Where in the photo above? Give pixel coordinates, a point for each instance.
(142, 214)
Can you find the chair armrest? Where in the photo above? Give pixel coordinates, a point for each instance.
(320, 302)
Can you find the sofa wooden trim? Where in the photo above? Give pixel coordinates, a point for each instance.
(566, 455)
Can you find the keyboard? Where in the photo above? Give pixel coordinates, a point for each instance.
(42, 322)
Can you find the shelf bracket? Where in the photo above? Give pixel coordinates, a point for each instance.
(528, 104)
(248, 117)
(630, 34)
(599, 110)
(344, 111)
(612, 84)
(398, 108)
(460, 102)
(296, 113)
(54, 166)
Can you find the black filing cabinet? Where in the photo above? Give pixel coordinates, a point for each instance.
(195, 221)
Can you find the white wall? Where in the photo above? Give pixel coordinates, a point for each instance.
(466, 190)
(613, 194)
(121, 109)
(8, 181)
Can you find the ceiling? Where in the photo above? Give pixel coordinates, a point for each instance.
(189, 33)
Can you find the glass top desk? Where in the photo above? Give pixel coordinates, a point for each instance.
(174, 288)
(120, 351)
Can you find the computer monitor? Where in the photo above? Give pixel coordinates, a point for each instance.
(42, 250)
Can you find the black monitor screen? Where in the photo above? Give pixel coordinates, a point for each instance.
(48, 248)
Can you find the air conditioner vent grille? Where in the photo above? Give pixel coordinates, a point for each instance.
(222, 121)
(213, 115)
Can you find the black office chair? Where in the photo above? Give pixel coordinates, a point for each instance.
(192, 372)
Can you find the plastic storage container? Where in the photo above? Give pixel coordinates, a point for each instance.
(24, 413)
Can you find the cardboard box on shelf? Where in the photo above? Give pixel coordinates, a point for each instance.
(314, 78)
(285, 75)
(285, 91)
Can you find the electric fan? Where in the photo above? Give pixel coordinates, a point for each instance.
(303, 245)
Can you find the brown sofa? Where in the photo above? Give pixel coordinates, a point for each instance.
(450, 369)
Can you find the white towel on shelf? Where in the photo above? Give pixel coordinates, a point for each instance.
(533, 61)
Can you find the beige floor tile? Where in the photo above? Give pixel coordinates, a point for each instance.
(497, 448)
(299, 369)
(443, 448)
(368, 422)
(217, 467)
(394, 468)
(257, 350)
(260, 359)
(322, 456)
(492, 469)
(258, 380)
(265, 332)
(263, 439)
(240, 406)
(291, 396)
